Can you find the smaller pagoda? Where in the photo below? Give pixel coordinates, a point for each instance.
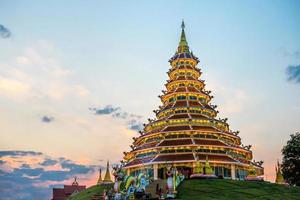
(279, 177)
(100, 177)
(107, 177)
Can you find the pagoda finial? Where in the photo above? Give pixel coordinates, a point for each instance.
(182, 24)
(183, 45)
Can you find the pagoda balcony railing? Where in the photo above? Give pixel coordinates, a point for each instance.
(187, 122)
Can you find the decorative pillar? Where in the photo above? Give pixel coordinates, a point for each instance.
(155, 171)
(193, 167)
(233, 172)
(128, 171)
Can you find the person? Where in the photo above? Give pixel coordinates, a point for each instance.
(105, 197)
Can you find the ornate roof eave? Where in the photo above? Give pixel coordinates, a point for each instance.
(186, 161)
(226, 146)
(206, 131)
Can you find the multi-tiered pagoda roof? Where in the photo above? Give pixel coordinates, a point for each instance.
(186, 127)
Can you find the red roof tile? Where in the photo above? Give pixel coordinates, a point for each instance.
(69, 189)
(192, 89)
(179, 116)
(138, 161)
(176, 142)
(180, 104)
(204, 128)
(174, 157)
(147, 145)
(198, 116)
(180, 89)
(209, 142)
(215, 157)
(176, 128)
(194, 103)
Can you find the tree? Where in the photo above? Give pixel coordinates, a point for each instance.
(291, 160)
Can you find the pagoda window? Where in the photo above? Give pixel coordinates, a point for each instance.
(211, 136)
(203, 150)
(202, 100)
(192, 97)
(168, 151)
(171, 99)
(183, 150)
(171, 136)
(199, 136)
(181, 97)
(218, 151)
(183, 136)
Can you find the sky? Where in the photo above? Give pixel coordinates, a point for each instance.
(78, 79)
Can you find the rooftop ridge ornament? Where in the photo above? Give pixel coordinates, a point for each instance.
(182, 24)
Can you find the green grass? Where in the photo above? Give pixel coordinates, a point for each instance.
(229, 189)
(217, 189)
(91, 191)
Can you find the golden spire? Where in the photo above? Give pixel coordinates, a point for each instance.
(107, 178)
(279, 177)
(100, 177)
(183, 46)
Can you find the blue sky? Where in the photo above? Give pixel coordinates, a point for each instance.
(64, 61)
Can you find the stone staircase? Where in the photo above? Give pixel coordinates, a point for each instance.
(151, 188)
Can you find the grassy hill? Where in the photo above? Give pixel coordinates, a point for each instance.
(229, 189)
(90, 192)
(218, 189)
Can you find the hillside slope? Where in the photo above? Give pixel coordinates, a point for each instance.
(218, 189)
(229, 189)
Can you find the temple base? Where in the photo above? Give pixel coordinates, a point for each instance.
(203, 176)
(254, 178)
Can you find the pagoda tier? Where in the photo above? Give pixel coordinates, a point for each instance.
(186, 128)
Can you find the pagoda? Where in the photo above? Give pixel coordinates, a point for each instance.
(107, 177)
(279, 177)
(186, 129)
(99, 182)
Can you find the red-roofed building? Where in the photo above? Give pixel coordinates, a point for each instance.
(67, 191)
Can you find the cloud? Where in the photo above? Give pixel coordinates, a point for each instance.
(28, 175)
(19, 153)
(135, 125)
(13, 88)
(49, 162)
(47, 119)
(231, 99)
(109, 109)
(293, 73)
(288, 53)
(132, 121)
(4, 32)
(37, 74)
